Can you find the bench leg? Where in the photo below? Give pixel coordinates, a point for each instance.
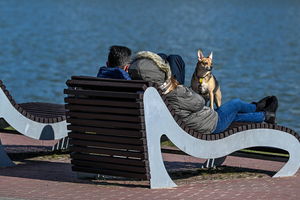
(159, 177)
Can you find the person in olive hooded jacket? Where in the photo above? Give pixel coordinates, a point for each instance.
(189, 105)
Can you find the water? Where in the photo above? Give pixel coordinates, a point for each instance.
(255, 43)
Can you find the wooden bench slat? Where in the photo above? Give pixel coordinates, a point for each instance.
(90, 144)
(106, 131)
(100, 109)
(268, 149)
(106, 124)
(109, 159)
(103, 138)
(110, 172)
(42, 105)
(95, 93)
(259, 156)
(124, 118)
(89, 78)
(44, 112)
(107, 84)
(101, 102)
(108, 166)
(110, 152)
(52, 112)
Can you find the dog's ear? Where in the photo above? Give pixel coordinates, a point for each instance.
(211, 55)
(200, 55)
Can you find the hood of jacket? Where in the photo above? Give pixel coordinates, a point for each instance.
(149, 66)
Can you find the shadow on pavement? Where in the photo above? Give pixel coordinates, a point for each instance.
(62, 172)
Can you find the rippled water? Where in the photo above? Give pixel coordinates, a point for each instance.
(255, 43)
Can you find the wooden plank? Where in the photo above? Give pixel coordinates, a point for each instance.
(106, 131)
(258, 156)
(48, 106)
(110, 152)
(97, 144)
(173, 151)
(117, 160)
(45, 112)
(95, 93)
(221, 135)
(111, 172)
(101, 116)
(268, 149)
(105, 124)
(237, 154)
(103, 138)
(54, 110)
(109, 166)
(107, 84)
(101, 102)
(90, 78)
(99, 109)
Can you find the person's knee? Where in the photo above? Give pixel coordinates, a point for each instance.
(175, 57)
(236, 101)
(177, 63)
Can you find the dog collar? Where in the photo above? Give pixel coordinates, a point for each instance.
(201, 80)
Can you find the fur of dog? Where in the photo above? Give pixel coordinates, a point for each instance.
(204, 82)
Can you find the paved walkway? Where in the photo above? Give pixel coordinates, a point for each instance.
(50, 177)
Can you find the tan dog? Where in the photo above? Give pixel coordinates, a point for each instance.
(203, 81)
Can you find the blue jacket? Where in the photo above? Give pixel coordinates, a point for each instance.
(113, 72)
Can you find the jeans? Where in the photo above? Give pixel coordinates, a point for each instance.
(177, 66)
(237, 110)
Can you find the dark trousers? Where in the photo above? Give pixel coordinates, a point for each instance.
(177, 66)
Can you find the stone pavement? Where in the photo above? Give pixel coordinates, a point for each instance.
(50, 177)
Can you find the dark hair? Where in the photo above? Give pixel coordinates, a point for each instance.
(118, 56)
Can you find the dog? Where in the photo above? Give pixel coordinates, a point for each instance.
(204, 82)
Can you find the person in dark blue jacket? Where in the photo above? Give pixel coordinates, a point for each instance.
(117, 64)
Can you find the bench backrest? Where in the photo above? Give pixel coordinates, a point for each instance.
(107, 129)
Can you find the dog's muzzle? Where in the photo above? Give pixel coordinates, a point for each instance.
(209, 68)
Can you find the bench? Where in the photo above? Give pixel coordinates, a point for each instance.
(115, 128)
(37, 120)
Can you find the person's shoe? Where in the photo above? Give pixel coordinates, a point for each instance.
(261, 104)
(270, 117)
(271, 104)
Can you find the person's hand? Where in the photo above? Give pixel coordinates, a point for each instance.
(126, 68)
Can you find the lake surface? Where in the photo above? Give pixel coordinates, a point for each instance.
(255, 43)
